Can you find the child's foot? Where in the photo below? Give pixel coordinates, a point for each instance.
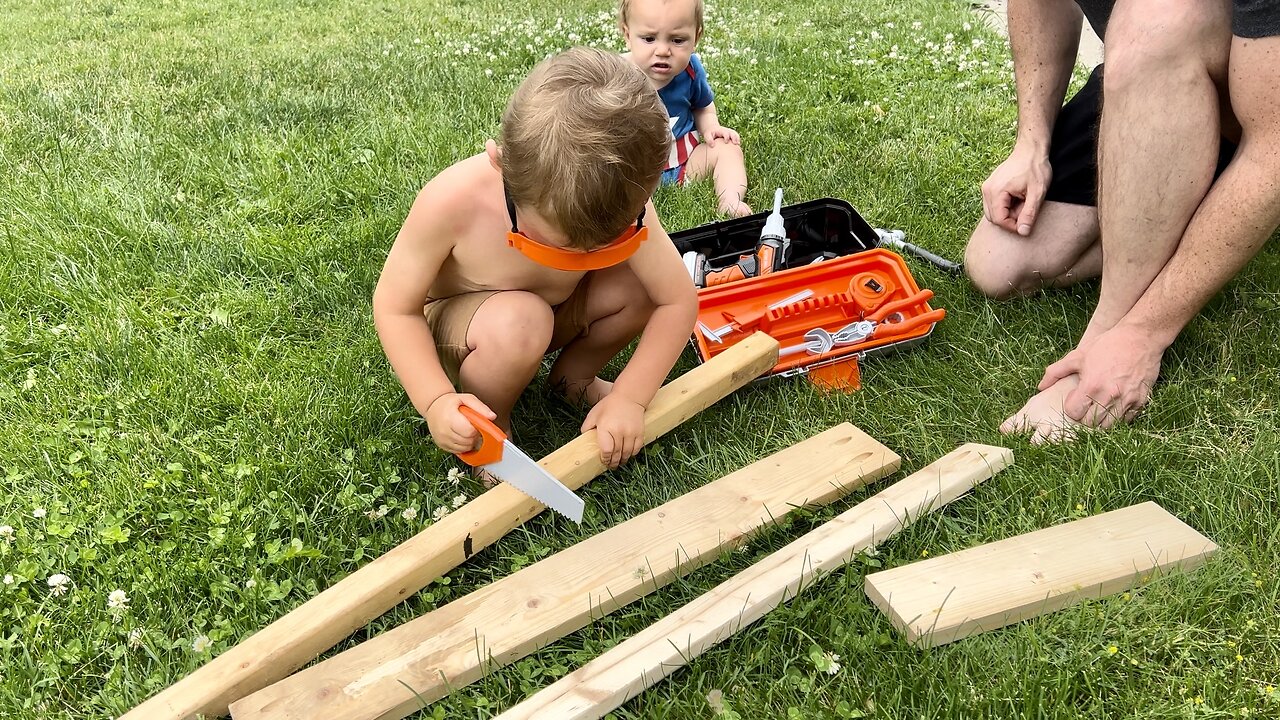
(582, 393)
(486, 478)
(1044, 417)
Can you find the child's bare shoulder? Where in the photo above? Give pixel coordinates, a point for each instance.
(453, 203)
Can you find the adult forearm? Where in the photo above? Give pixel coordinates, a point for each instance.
(663, 339)
(1044, 36)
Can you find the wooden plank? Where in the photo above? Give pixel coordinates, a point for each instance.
(949, 597)
(421, 661)
(320, 623)
(660, 649)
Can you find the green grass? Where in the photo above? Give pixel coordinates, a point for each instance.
(196, 202)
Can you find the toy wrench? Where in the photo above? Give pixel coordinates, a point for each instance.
(890, 314)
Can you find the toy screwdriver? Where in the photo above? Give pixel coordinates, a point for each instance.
(770, 254)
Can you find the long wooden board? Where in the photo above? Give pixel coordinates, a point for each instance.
(317, 625)
(391, 675)
(943, 599)
(660, 649)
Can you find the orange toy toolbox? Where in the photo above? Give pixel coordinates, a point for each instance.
(873, 286)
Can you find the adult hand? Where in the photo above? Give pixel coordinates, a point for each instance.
(1066, 367)
(1117, 371)
(450, 429)
(721, 132)
(619, 425)
(1012, 195)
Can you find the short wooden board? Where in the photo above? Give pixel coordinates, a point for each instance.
(943, 599)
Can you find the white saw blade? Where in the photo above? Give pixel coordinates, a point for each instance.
(524, 474)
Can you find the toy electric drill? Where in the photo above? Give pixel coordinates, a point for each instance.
(770, 254)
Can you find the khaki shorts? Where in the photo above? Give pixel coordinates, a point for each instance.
(450, 319)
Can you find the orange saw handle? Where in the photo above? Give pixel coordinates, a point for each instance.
(491, 438)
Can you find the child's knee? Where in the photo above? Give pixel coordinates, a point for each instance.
(515, 325)
(726, 151)
(624, 302)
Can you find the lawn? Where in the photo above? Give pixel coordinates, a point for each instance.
(196, 202)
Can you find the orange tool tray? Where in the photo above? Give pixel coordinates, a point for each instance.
(844, 290)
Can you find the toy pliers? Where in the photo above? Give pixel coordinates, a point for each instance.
(890, 314)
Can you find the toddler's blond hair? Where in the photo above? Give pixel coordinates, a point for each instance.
(584, 141)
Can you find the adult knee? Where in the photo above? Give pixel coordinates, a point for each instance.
(513, 325)
(1148, 39)
(996, 273)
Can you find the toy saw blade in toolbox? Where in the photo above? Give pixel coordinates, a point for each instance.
(824, 313)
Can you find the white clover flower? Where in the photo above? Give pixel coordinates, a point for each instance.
(459, 501)
(409, 513)
(440, 512)
(39, 513)
(7, 533)
(8, 579)
(118, 600)
(455, 476)
(381, 512)
(833, 663)
(250, 584)
(59, 584)
(135, 638)
(201, 644)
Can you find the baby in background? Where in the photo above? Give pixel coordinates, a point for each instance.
(662, 36)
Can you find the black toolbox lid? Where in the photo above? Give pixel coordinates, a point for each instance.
(816, 226)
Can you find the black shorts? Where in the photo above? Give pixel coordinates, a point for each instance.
(1073, 151)
(1255, 18)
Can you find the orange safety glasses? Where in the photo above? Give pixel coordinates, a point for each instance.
(565, 259)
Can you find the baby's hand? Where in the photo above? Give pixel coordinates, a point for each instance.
(619, 425)
(721, 132)
(450, 429)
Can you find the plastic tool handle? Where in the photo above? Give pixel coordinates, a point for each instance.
(889, 308)
(491, 439)
(912, 323)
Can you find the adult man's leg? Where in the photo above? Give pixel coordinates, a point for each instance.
(1235, 219)
(1062, 250)
(1158, 145)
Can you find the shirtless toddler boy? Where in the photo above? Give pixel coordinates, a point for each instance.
(539, 244)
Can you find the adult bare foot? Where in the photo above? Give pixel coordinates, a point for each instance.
(1043, 415)
(582, 393)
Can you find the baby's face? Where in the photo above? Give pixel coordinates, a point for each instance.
(661, 34)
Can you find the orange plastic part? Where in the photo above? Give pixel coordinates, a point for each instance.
(845, 290)
(563, 259)
(842, 376)
(491, 438)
